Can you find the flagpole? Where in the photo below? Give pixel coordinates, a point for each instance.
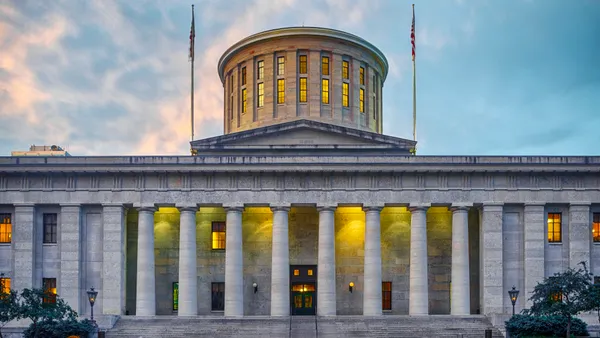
(192, 47)
(414, 82)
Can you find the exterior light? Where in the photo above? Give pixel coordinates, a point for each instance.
(350, 286)
(255, 286)
(92, 294)
(513, 294)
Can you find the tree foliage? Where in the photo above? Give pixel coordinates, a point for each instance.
(34, 308)
(544, 326)
(9, 305)
(565, 294)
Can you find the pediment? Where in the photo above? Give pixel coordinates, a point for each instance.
(301, 134)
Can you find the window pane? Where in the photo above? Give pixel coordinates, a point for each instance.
(261, 94)
(325, 65)
(325, 91)
(281, 91)
(49, 287)
(280, 65)
(50, 228)
(5, 228)
(596, 228)
(554, 227)
(5, 285)
(362, 100)
(175, 296)
(303, 64)
(302, 97)
(218, 297)
(261, 70)
(243, 76)
(244, 101)
(345, 95)
(362, 76)
(345, 70)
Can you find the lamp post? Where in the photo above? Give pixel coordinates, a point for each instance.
(92, 298)
(513, 294)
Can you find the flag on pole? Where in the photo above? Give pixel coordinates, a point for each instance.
(412, 34)
(192, 36)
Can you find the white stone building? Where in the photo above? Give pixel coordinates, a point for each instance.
(303, 206)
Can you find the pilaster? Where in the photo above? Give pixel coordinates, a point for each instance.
(579, 234)
(491, 248)
(113, 283)
(534, 237)
(69, 283)
(24, 247)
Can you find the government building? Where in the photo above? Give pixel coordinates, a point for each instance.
(302, 207)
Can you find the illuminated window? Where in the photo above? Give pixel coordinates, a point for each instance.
(218, 296)
(596, 228)
(362, 100)
(5, 285)
(310, 272)
(261, 94)
(260, 74)
(280, 65)
(325, 65)
(49, 221)
(345, 70)
(325, 91)
(281, 91)
(296, 272)
(49, 287)
(5, 228)
(218, 235)
(302, 97)
(386, 295)
(244, 101)
(345, 101)
(303, 68)
(362, 76)
(554, 227)
(175, 296)
(243, 76)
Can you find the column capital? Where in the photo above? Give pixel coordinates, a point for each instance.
(24, 205)
(326, 207)
(234, 207)
(189, 207)
(492, 206)
(145, 207)
(70, 205)
(458, 207)
(281, 207)
(374, 207)
(113, 205)
(412, 207)
(580, 204)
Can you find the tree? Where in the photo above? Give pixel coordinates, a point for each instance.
(35, 308)
(9, 304)
(564, 294)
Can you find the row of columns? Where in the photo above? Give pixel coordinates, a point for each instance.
(326, 278)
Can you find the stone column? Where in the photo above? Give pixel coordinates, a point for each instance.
(113, 260)
(460, 300)
(234, 263)
(419, 285)
(372, 305)
(579, 235)
(146, 284)
(24, 247)
(69, 287)
(491, 259)
(188, 276)
(280, 263)
(326, 296)
(534, 237)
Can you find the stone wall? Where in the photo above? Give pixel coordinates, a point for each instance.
(395, 255)
(349, 259)
(439, 254)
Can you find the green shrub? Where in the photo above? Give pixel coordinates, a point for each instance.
(544, 326)
(60, 329)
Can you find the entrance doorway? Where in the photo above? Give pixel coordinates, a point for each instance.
(303, 291)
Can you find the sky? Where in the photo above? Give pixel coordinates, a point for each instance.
(494, 77)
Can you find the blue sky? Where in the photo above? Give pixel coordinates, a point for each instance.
(504, 77)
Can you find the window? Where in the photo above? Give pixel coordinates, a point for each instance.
(325, 65)
(244, 101)
(296, 272)
(218, 296)
(5, 228)
(49, 287)
(260, 74)
(325, 91)
(362, 76)
(345, 102)
(310, 272)
(280, 91)
(362, 100)
(5, 285)
(303, 64)
(243, 76)
(345, 70)
(280, 65)
(554, 227)
(49, 228)
(302, 97)
(596, 228)
(386, 295)
(261, 94)
(175, 296)
(218, 235)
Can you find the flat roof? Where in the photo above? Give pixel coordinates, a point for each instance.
(302, 31)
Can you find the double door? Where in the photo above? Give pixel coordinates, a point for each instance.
(303, 293)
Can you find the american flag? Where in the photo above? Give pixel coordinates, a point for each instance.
(192, 36)
(412, 34)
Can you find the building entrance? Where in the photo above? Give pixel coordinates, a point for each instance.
(303, 292)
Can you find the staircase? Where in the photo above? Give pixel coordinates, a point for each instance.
(303, 327)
